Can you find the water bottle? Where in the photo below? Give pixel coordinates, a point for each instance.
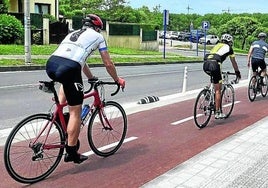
(85, 113)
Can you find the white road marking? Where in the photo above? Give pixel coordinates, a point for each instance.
(198, 115)
(110, 145)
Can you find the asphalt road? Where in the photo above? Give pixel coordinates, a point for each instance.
(20, 97)
(160, 144)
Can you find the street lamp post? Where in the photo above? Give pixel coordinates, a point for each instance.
(27, 32)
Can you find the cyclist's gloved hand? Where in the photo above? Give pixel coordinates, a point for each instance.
(238, 74)
(121, 82)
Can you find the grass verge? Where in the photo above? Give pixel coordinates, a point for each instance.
(124, 55)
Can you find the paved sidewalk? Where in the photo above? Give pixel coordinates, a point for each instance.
(240, 161)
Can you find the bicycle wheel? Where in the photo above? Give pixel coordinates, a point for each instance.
(33, 149)
(264, 87)
(203, 108)
(227, 100)
(252, 88)
(107, 129)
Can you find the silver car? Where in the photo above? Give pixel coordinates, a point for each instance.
(209, 39)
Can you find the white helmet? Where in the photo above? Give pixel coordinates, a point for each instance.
(262, 35)
(227, 38)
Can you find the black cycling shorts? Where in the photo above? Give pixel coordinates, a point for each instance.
(213, 68)
(68, 73)
(256, 63)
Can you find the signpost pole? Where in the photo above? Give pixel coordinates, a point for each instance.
(205, 26)
(165, 22)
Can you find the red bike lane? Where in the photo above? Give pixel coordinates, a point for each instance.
(159, 146)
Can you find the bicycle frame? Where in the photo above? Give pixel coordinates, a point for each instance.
(97, 103)
(41, 138)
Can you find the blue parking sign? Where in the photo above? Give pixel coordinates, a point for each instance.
(205, 25)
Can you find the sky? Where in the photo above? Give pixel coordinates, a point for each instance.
(204, 6)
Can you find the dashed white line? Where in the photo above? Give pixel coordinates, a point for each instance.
(110, 145)
(192, 117)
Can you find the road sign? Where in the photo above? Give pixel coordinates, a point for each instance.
(165, 17)
(205, 25)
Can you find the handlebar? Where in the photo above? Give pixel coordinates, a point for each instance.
(235, 81)
(95, 83)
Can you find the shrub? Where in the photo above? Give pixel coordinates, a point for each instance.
(3, 6)
(11, 29)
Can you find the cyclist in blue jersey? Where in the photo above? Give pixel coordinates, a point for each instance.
(212, 66)
(256, 55)
(65, 66)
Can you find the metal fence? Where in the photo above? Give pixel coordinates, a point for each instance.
(36, 19)
(149, 35)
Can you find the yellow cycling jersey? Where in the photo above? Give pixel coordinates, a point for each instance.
(220, 52)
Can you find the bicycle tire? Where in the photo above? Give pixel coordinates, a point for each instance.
(227, 100)
(103, 140)
(38, 162)
(203, 108)
(252, 88)
(264, 87)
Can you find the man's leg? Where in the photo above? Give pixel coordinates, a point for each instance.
(73, 130)
(217, 88)
(218, 113)
(62, 97)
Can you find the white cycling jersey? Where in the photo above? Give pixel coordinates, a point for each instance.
(80, 44)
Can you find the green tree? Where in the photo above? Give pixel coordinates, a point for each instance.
(241, 28)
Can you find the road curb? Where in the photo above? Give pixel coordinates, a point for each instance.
(42, 67)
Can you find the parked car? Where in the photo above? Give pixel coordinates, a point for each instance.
(174, 35)
(209, 39)
(196, 35)
(168, 34)
(184, 36)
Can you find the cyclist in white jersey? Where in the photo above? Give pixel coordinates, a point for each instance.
(65, 66)
(256, 55)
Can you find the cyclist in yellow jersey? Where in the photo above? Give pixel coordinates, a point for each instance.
(212, 66)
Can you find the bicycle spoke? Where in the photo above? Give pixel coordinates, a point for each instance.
(227, 100)
(203, 108)
(28, 142)
(107, 129)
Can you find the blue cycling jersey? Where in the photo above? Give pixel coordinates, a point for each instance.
(260, 47)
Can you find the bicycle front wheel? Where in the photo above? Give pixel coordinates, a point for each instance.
(227, 100)
(264, 87)
(107, 129)
(252, 88)
(203, 108)
(34, 148)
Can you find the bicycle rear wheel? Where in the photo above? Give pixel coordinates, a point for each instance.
(227, 100)
(203, 108)
(107, 129)
(33, 149)
(252, 88)
(264, 87)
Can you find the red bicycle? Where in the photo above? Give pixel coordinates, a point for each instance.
(35, 146)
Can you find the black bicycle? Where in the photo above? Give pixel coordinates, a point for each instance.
(257, 85)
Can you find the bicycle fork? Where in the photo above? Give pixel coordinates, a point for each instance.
(104, 120)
